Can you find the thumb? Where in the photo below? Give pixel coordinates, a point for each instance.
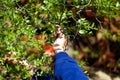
(59, 32)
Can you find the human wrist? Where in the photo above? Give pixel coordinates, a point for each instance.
(58, 51)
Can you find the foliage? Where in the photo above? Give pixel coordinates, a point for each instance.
(111, 8)
(20, 19)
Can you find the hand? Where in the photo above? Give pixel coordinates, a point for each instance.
(60, 41)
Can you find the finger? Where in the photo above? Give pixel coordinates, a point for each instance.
(55, 36)
(58, 48)
(59, 28)
(58, 33)
(56, 45)
(61, 35)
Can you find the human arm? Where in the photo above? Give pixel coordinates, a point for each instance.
(65, 67)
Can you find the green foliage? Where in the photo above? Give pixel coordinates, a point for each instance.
(18, 26)
(84, 27)
(107, 8)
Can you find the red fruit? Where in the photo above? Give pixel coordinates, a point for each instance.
(48, 49)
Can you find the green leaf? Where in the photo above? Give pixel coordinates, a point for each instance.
(82, 31)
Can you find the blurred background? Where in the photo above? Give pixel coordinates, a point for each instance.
(26, 35)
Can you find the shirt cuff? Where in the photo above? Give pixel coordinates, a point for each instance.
(60, 55)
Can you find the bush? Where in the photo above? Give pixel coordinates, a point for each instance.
(23, 22)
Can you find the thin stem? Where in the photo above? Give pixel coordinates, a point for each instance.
(87, 3)
(62, 12)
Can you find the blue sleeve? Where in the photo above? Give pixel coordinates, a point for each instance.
(66, 68)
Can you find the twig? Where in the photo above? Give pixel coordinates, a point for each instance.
(62, 12)
(87, 4)
(99, 22)
(84, 6)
